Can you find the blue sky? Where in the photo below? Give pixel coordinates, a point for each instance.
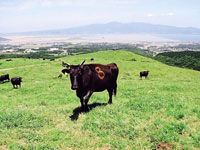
(32, 15)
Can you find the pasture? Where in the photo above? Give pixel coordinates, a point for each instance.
(45, 113)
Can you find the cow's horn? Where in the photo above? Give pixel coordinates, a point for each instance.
(82, 62)
(65, 64)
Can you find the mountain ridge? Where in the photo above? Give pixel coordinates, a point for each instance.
(118, 28)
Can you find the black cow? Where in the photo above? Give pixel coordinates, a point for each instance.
(144, 73)
(8, 59)
(92, 59)
(89, 78)
(52, 59)
(16, 81)
(4, 77)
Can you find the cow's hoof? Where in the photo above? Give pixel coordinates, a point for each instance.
(109, 102)
(82, 108)
(86, 109)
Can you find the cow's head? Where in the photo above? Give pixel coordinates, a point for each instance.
(20, 79)
(75, 72)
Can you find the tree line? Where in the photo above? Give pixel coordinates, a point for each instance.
(185, 59)
(36, 55)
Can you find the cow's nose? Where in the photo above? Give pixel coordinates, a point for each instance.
(74, 87)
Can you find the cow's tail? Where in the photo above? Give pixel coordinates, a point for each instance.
(115, 72)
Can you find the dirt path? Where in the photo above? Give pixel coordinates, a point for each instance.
(6, 69)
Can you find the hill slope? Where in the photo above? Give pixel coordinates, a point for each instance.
(45, 114)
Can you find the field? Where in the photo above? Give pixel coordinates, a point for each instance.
(45, 113)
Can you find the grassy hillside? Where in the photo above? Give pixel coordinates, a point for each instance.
(186, 59)
(45, 113)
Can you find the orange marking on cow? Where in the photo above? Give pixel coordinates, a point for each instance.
(100, 73)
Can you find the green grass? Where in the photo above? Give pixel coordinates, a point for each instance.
(44, 113)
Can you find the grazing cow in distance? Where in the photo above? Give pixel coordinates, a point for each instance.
(92, 59)
(8, 59)
(16, 81)
(60, 76)
(52, 59)
(43, 58)
(144, 73)
(4, 77)
(89, 78)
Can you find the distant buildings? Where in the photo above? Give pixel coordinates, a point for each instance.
(30, 51)
(9, 51)
(53, 49)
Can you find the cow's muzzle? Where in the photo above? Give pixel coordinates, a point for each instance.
(74, 87)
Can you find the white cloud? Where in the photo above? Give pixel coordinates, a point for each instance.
(161, 14)
(149, 15)
(167, 14)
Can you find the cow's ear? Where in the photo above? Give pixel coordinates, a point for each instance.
(68, 70)
(65, 65)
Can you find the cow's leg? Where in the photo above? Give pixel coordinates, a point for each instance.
(87, 97)
(81, 94)
(82, 104)
(110, 91)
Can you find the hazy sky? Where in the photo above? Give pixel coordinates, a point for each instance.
(31, 15)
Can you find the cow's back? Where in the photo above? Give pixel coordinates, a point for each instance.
(4, 77)
(15, 80)
(103, 76)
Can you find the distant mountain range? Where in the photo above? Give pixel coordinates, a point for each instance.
(113, 30)
(120, 28)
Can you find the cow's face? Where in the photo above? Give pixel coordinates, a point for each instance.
(75, 76)
(75, 72)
